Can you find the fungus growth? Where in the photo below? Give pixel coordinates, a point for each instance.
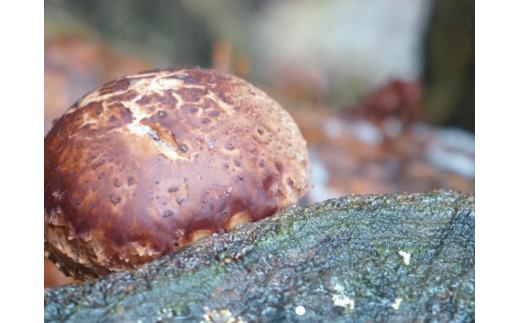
(148, 163)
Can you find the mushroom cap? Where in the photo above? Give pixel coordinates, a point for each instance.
(150, 162)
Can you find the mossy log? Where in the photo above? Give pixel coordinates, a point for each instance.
(373, 258)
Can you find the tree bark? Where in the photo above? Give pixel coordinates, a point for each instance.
(373, 258)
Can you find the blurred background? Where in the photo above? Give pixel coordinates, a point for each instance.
(382, 90)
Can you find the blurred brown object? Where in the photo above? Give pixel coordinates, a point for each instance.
(242, 65)
(73, 67)
(55, 102)
(381, 147)
(304, 88)
(401, 99)
(225, 61)
(221, 58)
(53, 276)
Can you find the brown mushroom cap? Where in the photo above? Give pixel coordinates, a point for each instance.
(150, 162)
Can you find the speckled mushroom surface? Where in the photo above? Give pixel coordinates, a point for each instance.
(150, 162)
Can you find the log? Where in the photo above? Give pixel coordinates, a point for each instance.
(373, 258)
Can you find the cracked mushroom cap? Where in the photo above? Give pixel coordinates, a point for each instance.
(150, 162)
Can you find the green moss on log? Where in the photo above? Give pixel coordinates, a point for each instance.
(374, 258)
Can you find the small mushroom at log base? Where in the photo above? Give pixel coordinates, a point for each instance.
(150, 162)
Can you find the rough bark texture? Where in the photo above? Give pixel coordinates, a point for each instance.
(343, 260)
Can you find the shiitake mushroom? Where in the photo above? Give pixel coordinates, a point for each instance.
(149, 162)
